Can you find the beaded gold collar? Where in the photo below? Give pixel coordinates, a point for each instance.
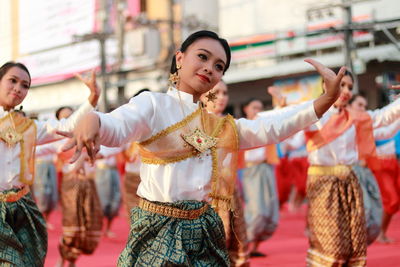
(197, 138)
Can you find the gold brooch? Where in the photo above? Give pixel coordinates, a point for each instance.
(199, 140)
(10, 136)
(211, 96)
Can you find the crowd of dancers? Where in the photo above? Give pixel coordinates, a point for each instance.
(201, 188)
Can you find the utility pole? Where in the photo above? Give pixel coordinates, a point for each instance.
(120, 33)
(101, 37)
(171, 22)
(348, 27)
(103, 57)
(349, 47)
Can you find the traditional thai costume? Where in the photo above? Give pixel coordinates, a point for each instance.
(23, 236)
(298, 162)
(132, 177)
(45, 189)
(260, 195)
(188, 171)
(371, 193)
(387, 169)
(82, 216)
(336, 213)
(371, 199)
(108, 181)
(235, 230)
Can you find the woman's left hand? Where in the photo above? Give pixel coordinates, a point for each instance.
(92, 85)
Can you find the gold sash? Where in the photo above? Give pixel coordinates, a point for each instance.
(168, 146)
(27, 129)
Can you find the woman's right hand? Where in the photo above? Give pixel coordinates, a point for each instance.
(85, 134)
(332, 85)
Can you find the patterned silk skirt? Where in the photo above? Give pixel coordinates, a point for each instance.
(158, 240)
(45, 186)
(82, 216)
(261, 209)
(372, 201)
(23, 235)
(131, 184)
(336, 219)
(235, 232)
(108, 189)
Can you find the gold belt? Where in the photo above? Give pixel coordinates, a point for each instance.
(338, 170)
(249, 164)
(103, 166)
(171, 211)
(12, 196)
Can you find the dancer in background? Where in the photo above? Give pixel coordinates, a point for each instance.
(108, 184)
(234, 222)
(183, 151)
(293, 168)
(23, 235)
(336, 216)
(45, 189)
(387, 173)
(82, 217)
(371, 195)
(259, 188)
(132, 177)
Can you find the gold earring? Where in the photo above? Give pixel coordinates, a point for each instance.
(174, 77)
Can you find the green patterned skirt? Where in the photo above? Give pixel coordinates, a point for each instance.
(23, 235)
(157, 240)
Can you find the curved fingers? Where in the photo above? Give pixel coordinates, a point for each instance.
(78, 151)
(65, 134)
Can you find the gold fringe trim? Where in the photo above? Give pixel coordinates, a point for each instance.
(169, 160)
(22, 126)
(31, 161)
(216, 198)
(231, 120)
(171, 128)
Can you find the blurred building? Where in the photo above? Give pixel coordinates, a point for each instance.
(270, 39)
(59, 38)
(132, 41)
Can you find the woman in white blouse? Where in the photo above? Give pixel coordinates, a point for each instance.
(23, 236)
(183, 151)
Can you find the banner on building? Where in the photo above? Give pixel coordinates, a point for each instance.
(298, 90)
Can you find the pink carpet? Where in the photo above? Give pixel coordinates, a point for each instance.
(287, 248)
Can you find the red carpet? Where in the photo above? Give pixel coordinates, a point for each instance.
(287, 248)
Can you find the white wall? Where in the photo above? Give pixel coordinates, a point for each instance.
(206, 11)
(248, 17)
(5, 31)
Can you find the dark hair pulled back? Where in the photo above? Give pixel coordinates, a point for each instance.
(10, 64)
(203, 34)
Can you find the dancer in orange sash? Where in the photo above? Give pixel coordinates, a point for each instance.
(336, 214)
(387, 172)
(259, 188)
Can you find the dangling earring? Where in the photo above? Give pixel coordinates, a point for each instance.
(211, 97)
(174, 77)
